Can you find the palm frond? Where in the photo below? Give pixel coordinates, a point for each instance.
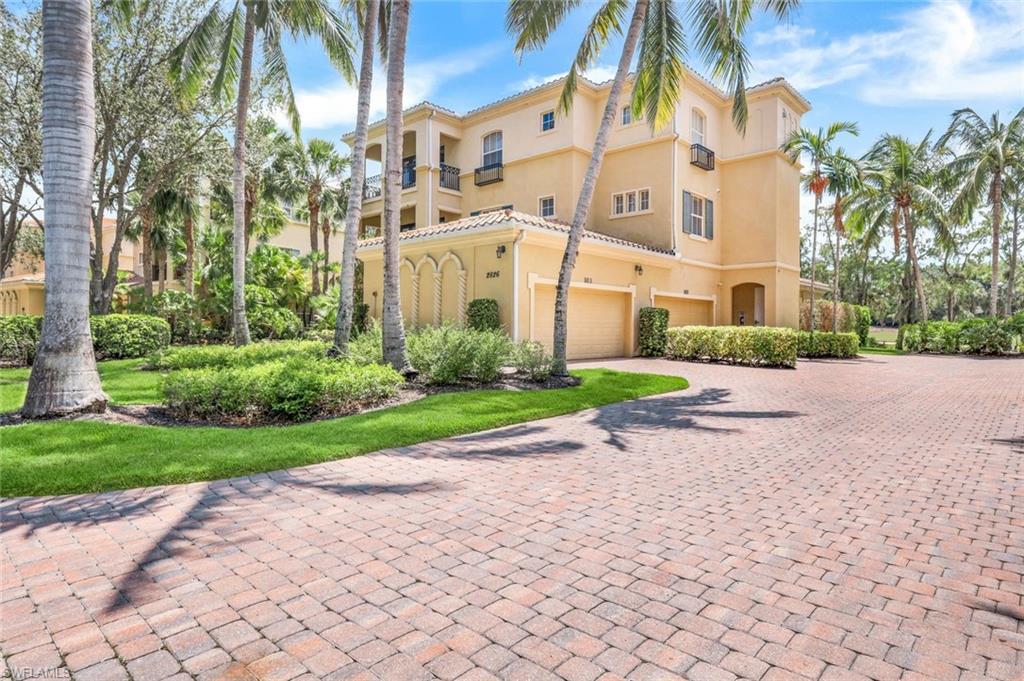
(275, 70)
(719, 26)
(232, 43)
(607, 20)
(659, 71)
(191, 58)
(531, 23)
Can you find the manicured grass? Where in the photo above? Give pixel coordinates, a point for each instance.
(122, 379)
(884, 334)
(65, 457)
(886, 350)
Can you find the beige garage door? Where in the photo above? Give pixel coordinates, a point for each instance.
(686, 312)
(597, 321)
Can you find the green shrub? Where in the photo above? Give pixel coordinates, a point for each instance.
(448, 354)
(863, 322)
(827, 344)
(19, 337)
(653, 327)
(294, 389)
(752, 345)
(182, 312)
(212, 356)
(532, 360)
(987, 336)
(482, 314)
(122, 336)
(901, 336)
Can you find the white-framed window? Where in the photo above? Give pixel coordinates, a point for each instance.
(546, 206)
(697, 215)
(492, 149)
(698, 127)
(631, 202)
(627, 115)
(618, 204)
(644, 196)
(547, 121)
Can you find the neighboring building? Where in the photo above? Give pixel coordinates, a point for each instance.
(22, 286)
(696, 218)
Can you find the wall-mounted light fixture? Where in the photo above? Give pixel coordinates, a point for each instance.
(499, 251)
(639, 269)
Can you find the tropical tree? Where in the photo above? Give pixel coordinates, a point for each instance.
(368, 17)
(898, 188)
(842, 173)
(657, 27)
(228, 39)
(817, 147)
(391, 314)
(987, 151)
(64, 377)
(333, 205)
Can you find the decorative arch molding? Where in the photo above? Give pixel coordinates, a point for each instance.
(423, 260)
(460, 272)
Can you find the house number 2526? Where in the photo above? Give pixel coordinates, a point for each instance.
(494, 274)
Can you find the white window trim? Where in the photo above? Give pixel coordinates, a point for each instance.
(693, 130)
(501, 149)
(702, 216)
(554, 207)
(626, 213)
(554, 122)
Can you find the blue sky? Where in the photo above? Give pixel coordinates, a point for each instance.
(899, 67)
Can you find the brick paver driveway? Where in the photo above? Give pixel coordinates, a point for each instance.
(848, 520)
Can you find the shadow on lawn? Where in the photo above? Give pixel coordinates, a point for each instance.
(674, 412)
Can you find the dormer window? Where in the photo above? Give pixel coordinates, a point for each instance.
(547, 121)
(698, 127)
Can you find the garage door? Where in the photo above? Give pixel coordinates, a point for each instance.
(686, 312)
(597, 321)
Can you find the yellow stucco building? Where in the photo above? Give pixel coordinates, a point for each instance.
(696, 217)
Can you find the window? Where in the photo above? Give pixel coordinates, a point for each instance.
(698, 127)
(697, 215)
(631, 202)
(627, 115)
(441, 153)
(492, 149)
(547, 121)
(547, 206)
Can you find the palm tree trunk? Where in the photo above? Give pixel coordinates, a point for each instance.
(314, 227)
(997, 219)
(864, 277)
(814, 259)
(147, 252)
(64, 377)
(190, 252)
(343, 325)
(325, 225)
(912, 250)
(393, 327)
(579, 220)
(835, 283)
(239, 323)
(162, 271)
(1012, 270)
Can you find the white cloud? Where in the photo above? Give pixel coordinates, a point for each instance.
(335, 104)
(943, 51)
(598, 73)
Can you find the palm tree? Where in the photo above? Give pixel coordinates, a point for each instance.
(369, 22)
(391, 313)
(898, 182)
(817, 147)
(332, 211)
(228, 39)
(988, 151)
(64, 377)
(1015, 197)
(843, 175)
(658, 29)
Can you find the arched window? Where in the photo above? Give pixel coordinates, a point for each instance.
(492, 149)
(698, 127)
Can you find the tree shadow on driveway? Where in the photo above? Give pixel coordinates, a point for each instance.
(675, 413)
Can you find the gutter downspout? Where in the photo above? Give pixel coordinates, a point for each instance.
(515, 285)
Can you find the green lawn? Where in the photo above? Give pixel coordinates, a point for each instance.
(885, 334)
(122, 379)
(886, 350)
(66, 457)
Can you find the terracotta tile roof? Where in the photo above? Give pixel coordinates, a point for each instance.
(508, 218)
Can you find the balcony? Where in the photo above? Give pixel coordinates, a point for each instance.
(450, 177)
(408, 172)
(702, 157)
(489, 174)
(373, 187)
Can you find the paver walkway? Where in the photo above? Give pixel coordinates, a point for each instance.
(848, 520)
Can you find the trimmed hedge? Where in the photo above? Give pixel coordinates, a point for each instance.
(980, 336)
(124, 336)
(821, 344)
(653, 329)
(863, 322)
(750, 345)
(482, 314)
(294, 389)
(218, 356)
(19, 337)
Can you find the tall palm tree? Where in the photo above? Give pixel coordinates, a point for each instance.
(657, 27)
(843, 175)
(898, 188)
(64, 377)
(332, 211)
(391, 313)
(1015, 199)
(368, 15)
(988, 150)
(817, 147)
(228, 39)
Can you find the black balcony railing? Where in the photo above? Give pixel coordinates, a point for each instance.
(489, 174)
(702, 157)
(372, 187)
(450, 177)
